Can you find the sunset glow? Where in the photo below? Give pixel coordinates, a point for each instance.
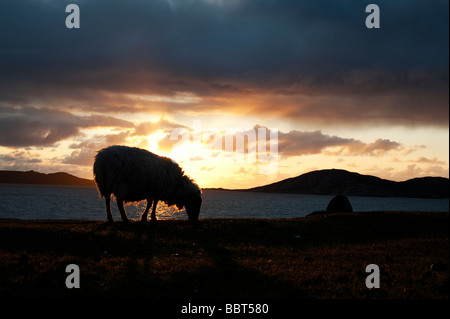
(338, 94)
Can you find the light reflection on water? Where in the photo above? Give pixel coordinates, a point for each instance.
(67, 202)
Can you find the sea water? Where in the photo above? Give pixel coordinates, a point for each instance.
(84, 203)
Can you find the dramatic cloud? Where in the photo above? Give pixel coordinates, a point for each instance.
(166, 126)
(296, 143)
(378, 148)
(84, 156)
(30, 126)
(138, 70)
(23, 157)
(86, 149)
(293, 143)
(311, 61)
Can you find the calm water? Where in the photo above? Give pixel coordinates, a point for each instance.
(66, 202)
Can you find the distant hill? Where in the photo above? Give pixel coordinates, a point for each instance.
(323, 182)
(334, 181)
(32, 177)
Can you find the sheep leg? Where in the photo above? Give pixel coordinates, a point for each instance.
(123, 214)
(108, 208)
(145, 214)
(153, 218)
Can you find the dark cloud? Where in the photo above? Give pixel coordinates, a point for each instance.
(22, 156)
(293, 143)
(19, 160)
(83, 157)
(29, 126)
(238, 38)
(146, 128)
(306, 60)
(377, 148)
(33, 127)
(305, 143)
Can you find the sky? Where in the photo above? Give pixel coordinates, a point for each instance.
(240, 93)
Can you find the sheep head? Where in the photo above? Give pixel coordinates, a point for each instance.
(190, 197)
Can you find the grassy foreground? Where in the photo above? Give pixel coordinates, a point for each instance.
(311, 257)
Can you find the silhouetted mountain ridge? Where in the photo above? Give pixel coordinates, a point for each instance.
(322, 182)
(335, 181)
(32, 177)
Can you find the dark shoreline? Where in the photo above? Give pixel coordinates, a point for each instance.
(319, 182)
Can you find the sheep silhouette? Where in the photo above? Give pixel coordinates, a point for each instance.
(134, 174)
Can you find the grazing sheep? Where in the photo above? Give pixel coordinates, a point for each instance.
(134, 174)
